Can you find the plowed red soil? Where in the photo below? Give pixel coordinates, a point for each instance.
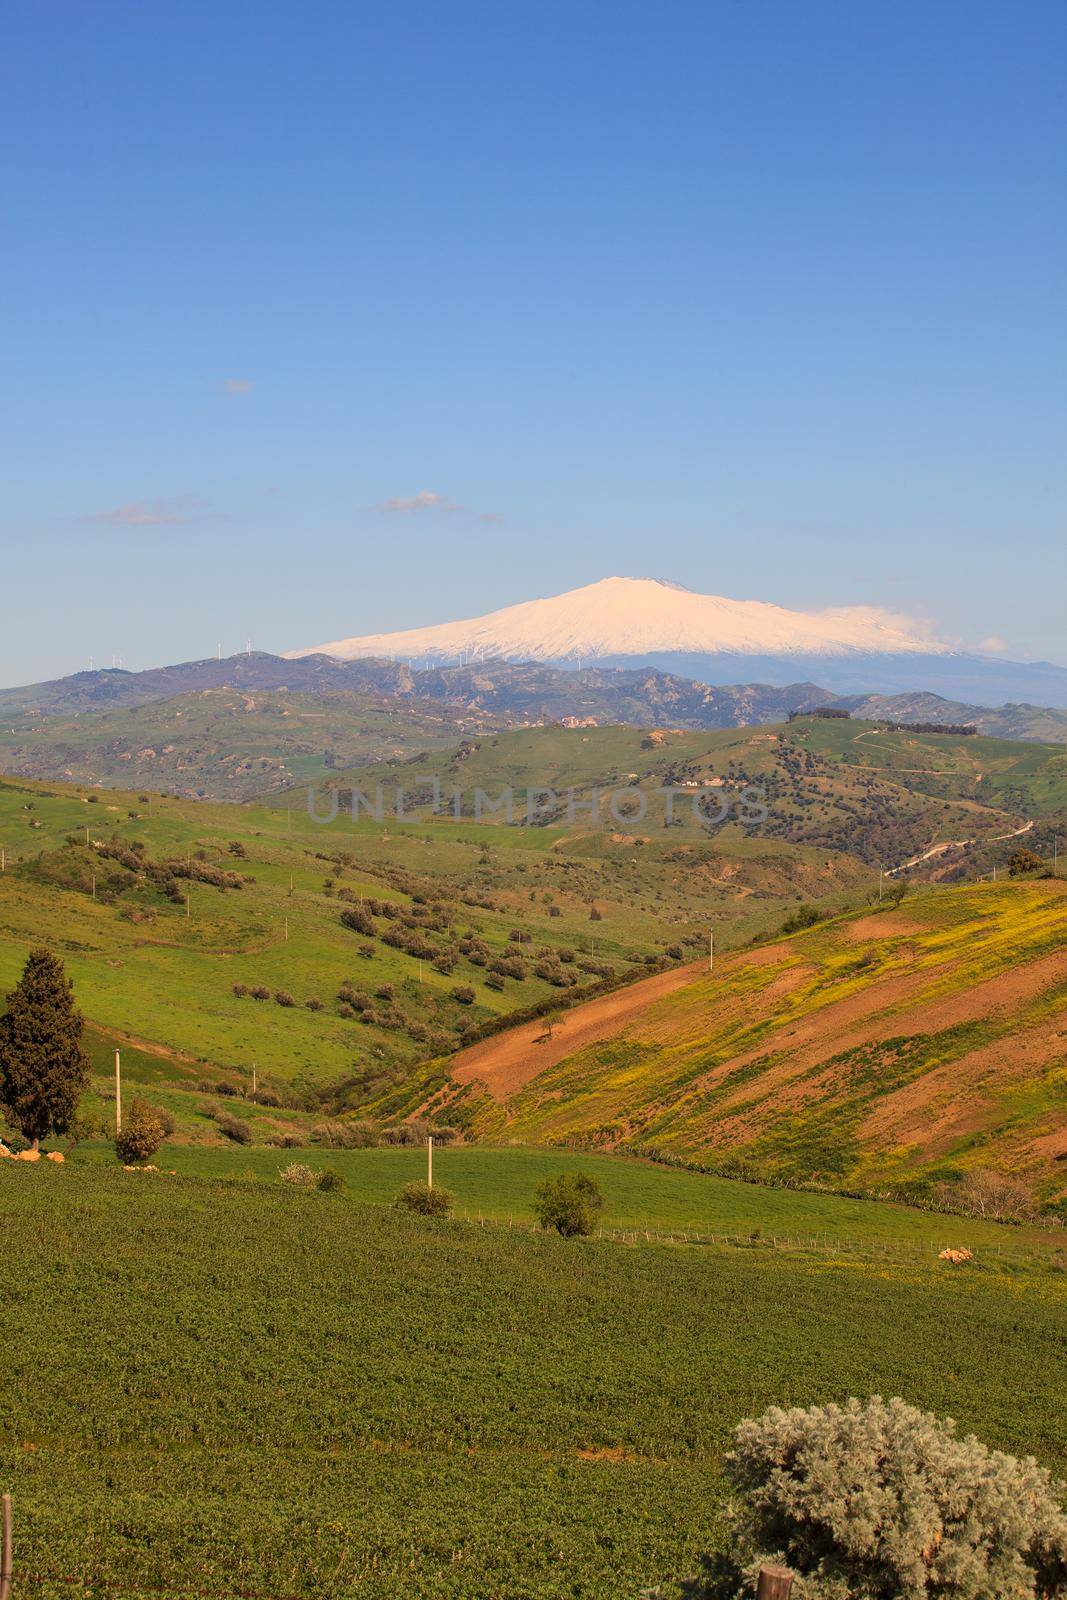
(509, 1060)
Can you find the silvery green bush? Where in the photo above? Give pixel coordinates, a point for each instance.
(878, 1501)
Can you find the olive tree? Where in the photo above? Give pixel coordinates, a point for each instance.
(876, 1500)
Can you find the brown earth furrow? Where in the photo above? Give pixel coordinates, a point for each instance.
(857, 1020)
(955, 1098)
(507, 1061)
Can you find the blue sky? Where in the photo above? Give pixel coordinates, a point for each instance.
(763, 296)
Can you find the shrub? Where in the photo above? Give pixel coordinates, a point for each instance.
(233, 1128)
(1024, 861)
(313, 1003)
(803, 917)
(298, 1175)
(463, 994)
(260, 992)
(240, 990)
(284, 998)
(330, 1181)
(356, 1135)
(141, 1134)
(984, 1193)
(405, 1133)
(426, 1201)
(570, 1203)
(884, 1502)
(167, 1120)
(358, 920)
(225, 1089)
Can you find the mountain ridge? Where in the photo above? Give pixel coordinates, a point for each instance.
(230, 729)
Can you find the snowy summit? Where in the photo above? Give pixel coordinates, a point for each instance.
(626, 617)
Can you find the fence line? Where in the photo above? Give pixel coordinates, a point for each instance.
(898, 1250)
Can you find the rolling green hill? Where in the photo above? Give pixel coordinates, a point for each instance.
(347, 960)
(832, 784)
(876, 1050)
(161, 906)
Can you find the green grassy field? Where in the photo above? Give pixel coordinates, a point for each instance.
(232, 1386)
(152, 971)
(499, 1186)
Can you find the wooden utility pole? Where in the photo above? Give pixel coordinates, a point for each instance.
(774, 1583)
(429, 1161)
(118, 1094)
(5, 1549)
(253, 1080)
(711, 952)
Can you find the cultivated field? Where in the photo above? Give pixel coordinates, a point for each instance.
(228, 1386)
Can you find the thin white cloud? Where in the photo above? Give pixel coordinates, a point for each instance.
(237, 385)
(425, 500)
(431, 500)
(153, 513)
(994, 642)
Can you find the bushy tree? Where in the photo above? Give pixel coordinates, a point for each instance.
(426, 1200)
(43, 1068)
(141, 1134)
(878, 1501)
(570, 1203)
(299, 1176)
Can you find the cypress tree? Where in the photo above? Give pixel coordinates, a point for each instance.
(43, 1068)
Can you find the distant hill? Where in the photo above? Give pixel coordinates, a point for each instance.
(879, 1049)
(227, 743)
(110, 687)
(881, 796)
(220, 729)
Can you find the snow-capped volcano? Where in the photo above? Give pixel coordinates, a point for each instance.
(623, 618)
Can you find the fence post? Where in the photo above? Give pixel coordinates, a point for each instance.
(5, 1549)
(775, 1583)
